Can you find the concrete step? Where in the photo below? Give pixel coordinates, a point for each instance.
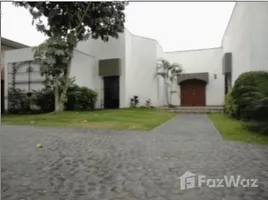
(195, 109)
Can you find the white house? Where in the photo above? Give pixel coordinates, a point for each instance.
(124, 67)
(6, 45)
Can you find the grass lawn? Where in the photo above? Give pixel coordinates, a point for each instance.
(129, 119)
(232, 129)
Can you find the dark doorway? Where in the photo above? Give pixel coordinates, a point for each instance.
(111, 92)
(2, 96)
(227, 82)
(193, 93)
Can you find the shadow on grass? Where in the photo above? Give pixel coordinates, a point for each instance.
(260, 128)
(240, 130)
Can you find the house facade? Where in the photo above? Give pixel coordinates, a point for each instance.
(6, 45)
(123, 67)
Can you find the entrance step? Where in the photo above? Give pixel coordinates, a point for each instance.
(196, 109)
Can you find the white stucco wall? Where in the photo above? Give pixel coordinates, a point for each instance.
(17, 55)
(3, 49)
(160, 82)
(114, 48)
(204, 60)
(129, 70)
(237, 39)
(138, 62)
(246, 37)
(22, 78)
(83, 69)
(141, 80)
(259, 35)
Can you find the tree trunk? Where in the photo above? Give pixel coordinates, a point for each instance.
(166, 90)
(63, 96)
(171, 92)
(58, 107)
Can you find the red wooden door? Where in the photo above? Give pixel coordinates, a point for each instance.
(186, 94)
(193, 93)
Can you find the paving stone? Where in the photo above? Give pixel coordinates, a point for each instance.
(125, 165)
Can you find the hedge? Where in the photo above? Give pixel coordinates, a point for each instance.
(229, 105)
(81, 98)
(249, 96)
(42, 101)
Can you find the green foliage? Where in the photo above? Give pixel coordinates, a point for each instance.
(143, 107)
(258, 127)
(53, 57)
(39, 101)
(148, 103)
(134, 101)
(80, 98)
(238, 130)
(229, 105)
(248, 100)
(169, 73)
(167, 70)
(76, 21)
(18, 102)
(67, 24)
(250, 94)
(44, 100)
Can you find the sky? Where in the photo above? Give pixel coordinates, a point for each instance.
(175, 25)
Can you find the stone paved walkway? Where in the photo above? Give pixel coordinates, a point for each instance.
(77, 164)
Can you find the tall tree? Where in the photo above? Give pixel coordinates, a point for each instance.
(169, 73)
(73, 22)
(52, 58)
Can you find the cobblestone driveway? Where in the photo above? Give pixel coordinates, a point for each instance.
(77, 164)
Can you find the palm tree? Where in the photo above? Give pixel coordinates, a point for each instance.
(169, 73)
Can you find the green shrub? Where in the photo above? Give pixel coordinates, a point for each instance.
(18, 101)
(229, 105)
(80, 98)
(250, 94)
(148, 103)
(134, 101)
(143, 107)
(44, 100)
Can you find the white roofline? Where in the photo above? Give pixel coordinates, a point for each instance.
(203, 49)
(192, 49)
(235, 6)
(144, 37)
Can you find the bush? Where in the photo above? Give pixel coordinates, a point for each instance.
(44, 100)
(18, 101)
(134, 101)
(143, 107)
(148, 103)
(250, 95)
(229, 105)
(80, 98)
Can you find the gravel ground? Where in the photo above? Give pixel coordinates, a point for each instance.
(78, 164)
